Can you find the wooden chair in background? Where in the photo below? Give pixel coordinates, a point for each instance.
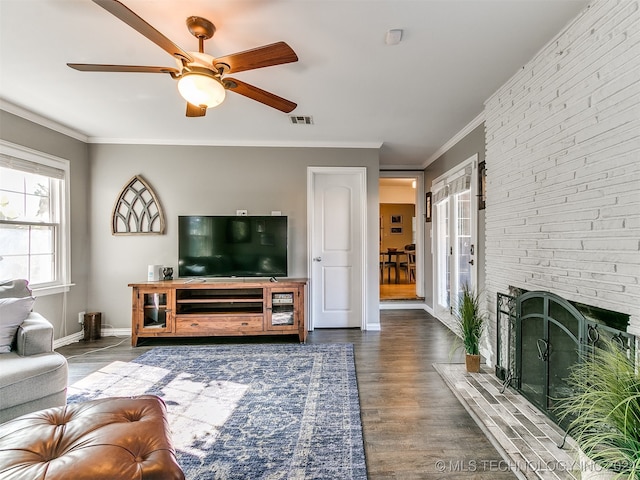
(386, 265)
(409, 267)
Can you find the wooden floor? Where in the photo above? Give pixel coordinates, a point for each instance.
(414, 427)
(392, 291)
(398, 291)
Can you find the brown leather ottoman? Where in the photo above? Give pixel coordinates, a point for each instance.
(110, 438)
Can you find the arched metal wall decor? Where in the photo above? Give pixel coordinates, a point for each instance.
(137, 210)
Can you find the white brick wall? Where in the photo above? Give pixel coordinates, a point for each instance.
(563, 167)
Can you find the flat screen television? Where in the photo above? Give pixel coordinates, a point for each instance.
(232, 246)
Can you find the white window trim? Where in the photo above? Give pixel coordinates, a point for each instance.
(18, 151)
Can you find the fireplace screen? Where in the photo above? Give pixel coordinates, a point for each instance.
(548, 333)
(540, 337)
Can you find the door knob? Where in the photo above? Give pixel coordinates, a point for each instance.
(471, 262)
(317, 259)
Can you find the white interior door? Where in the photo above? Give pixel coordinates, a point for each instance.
(337, 246)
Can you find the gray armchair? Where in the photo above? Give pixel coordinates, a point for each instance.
(32, 375)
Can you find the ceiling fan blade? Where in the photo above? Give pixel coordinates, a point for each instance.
(130, 18)
(92, 67)
(265, 56)
(195, 111)
(259, 95)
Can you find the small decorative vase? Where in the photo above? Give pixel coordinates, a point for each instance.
(472, 362)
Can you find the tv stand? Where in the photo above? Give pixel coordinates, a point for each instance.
(219, 307)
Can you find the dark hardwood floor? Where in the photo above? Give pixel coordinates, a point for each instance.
(414, 427)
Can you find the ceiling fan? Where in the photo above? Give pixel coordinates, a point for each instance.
(202, 79)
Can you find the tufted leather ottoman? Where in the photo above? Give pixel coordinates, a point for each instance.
(110, 438)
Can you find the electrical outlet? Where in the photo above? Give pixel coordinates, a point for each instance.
(81, 317)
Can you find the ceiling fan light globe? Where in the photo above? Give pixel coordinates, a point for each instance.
(201, 90)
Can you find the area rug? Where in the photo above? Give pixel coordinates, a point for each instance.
(249, 411)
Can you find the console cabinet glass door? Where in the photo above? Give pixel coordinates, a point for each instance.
(282, 308)
(155, 310)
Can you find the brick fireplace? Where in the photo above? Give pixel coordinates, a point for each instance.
(563, 171)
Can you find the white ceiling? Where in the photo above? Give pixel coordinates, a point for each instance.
(410, 98)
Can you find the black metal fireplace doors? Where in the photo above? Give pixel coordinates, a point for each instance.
(540, 336)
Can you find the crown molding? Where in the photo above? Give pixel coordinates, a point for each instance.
(42, 121)
(58, 127)
(455, 139)
(227, 143)
(53, 125)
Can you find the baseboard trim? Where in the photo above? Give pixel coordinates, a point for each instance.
(76, 337)
(403, 305)
(406, 306)
(68, 340)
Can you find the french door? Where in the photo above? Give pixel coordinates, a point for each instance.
(455, 237)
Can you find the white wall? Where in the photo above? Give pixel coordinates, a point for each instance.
(213, 181)
(563, 164)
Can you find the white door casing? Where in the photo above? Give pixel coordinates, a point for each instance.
(337, 246)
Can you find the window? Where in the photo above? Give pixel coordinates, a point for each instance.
(34, 232)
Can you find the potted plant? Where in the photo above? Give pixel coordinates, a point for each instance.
(604, 412)
(470, 322)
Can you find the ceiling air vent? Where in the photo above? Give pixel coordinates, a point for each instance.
(301, 120)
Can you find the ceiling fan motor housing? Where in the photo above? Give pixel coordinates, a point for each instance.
(201, 28)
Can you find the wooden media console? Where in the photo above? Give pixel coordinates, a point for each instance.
(217, 307)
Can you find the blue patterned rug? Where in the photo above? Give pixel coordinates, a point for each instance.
(249, 411)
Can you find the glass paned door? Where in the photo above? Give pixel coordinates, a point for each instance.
(463, 260)
(454, 249)
(454, 238)
(443, 265)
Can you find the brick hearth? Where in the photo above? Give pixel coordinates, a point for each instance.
(526, 438)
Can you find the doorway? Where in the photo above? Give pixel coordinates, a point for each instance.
(401, 237)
